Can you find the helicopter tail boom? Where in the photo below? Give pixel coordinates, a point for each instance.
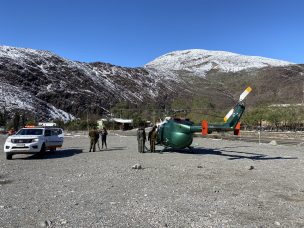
(231, 120)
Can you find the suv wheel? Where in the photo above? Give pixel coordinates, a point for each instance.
(9, 156)
(43, 149)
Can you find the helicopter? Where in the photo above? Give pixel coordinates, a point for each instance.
(177, 133)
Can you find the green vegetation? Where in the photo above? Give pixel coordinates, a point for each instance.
(273, 118)
(3, 119)
(78, 124)
(289, 118)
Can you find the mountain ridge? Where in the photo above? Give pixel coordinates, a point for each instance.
(55, 87)
(201, 61)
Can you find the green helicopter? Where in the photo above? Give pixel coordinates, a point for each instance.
(178, 134)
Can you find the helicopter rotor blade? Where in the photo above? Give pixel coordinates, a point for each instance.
(245, 93)
(228, 115)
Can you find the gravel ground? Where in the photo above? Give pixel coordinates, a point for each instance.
(219, 184)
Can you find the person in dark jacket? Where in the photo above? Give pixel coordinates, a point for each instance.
(97, 140)
(152, 138)
(104, 134)
(141, 139)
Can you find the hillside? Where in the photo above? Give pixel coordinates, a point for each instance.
(49, 86)
(200, 62)
(42, 81)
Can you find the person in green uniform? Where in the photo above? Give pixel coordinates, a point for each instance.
(94, 135)
(141, 139)
(152, 138)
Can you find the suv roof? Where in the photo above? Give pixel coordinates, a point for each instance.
(30, 131)
(37, 130)
(33, 126)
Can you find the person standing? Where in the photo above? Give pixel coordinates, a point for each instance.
(152, 138)
(97, 140)
(141, 139)
(104, 134)
(93, 134)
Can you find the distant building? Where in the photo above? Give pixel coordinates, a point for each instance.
(47, 124)
(116, 123)
(286, 105)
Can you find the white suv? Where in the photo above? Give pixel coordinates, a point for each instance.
(33, 140)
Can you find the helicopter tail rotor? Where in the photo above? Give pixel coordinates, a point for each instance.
(242, 98)
(245, 93)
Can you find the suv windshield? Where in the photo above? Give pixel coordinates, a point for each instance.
(30, 131)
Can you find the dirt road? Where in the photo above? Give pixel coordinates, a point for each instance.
(219, 184)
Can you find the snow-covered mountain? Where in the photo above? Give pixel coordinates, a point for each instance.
(14, 98)
(200, 62)
(51, 87)
(31, 79)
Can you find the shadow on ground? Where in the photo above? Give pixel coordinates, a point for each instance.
(231, 155)
(63, 153)
(53, 155)
(110, 149)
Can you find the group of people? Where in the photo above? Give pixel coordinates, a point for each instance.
(141, 139)
(94, 138)
(95, 134)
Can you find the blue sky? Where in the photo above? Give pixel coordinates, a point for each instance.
(134, 32)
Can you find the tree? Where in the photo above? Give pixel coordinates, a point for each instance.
(16, 121)
(2, 119)
(23, 120)
(59, 123)
(137, 120)
(275, 118)
(255, 117)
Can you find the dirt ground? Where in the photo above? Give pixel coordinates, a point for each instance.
(220, 183)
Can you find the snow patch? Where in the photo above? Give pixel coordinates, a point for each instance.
(15, 98)
(200, 62)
